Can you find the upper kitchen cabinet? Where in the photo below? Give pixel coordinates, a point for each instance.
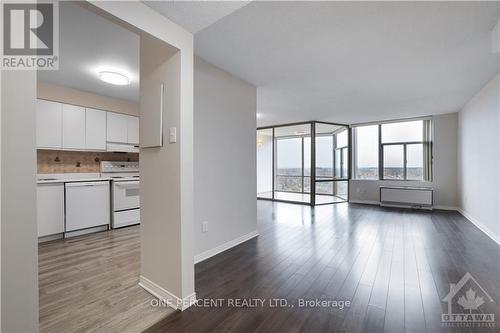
(64, 126)
(48, 124)
(95, 129)
(117, 127)
(133, 130)
(122, 129)
(73, 127)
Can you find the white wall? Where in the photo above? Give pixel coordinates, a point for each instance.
(444, 168)
(19, 269)
(167, 268)
(479, 158)
(225, 159)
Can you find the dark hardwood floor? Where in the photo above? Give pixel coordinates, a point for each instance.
(394, 266)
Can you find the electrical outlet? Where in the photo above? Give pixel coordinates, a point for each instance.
(204, 226)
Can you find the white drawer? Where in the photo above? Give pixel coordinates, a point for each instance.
(126, 217)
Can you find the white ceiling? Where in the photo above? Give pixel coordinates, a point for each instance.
(352, 62)
(343, 62)
(90, 43)
(195, 15)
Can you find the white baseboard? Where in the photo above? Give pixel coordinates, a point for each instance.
(165, 296)
(365, 202)
(223, 247)
(480, 226)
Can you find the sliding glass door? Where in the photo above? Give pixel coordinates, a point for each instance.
(332, 163)
(265, 163)
(305, 163)
(292, 156)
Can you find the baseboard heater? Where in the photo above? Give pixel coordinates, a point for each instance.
(407, 197)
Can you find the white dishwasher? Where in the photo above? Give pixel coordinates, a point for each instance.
(87, 205)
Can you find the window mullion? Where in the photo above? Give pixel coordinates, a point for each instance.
(302, 155)
(405, 162)
(380, 154)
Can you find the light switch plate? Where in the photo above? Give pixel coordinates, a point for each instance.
(172, 136)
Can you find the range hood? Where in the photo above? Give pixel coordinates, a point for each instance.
(121, 148)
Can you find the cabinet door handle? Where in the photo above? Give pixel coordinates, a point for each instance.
(162, 108)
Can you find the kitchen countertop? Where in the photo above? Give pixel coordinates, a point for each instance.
(69, 178)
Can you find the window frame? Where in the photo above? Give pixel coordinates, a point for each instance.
(427, 145)
(354, 160)
(301, 176)
(342, 161)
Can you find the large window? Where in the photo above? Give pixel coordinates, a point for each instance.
(303, 162)
(324, 156)
(393, 151)
(289, 165)
(265, 163)
(341, 154)
(366, 152)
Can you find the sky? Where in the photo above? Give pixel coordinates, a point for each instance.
(289, 151)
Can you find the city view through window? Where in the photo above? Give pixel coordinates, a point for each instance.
(284, 163)
(293, 170)
(404, 147)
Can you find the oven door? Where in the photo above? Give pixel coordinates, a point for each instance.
(125, 195)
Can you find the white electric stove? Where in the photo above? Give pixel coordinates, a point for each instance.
(125, 201)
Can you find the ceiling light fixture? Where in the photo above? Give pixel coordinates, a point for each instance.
(300, 132)
(113, 78)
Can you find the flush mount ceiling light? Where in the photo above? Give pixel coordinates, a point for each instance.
(113, 78)
(300, 132)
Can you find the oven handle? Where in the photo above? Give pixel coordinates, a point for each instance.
(85, 184)
(128, 185)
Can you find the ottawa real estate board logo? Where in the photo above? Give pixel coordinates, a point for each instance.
(30, 35)
(468, 305)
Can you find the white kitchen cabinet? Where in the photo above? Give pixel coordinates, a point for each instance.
(50, 209)
(48, 124)
(73, 127)
(87, 205)
(133, 130)
(95, 129)
(117, 127)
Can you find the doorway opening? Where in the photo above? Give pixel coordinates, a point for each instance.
(306, 163)
(91, 247)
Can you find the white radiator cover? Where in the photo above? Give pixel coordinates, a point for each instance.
(415, 197)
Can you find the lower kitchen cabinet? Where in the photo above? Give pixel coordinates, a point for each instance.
(87, 205)
(50, 209)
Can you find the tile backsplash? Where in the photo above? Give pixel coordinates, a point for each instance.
(59, 161)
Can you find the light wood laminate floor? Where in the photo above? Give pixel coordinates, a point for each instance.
(90, 284)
